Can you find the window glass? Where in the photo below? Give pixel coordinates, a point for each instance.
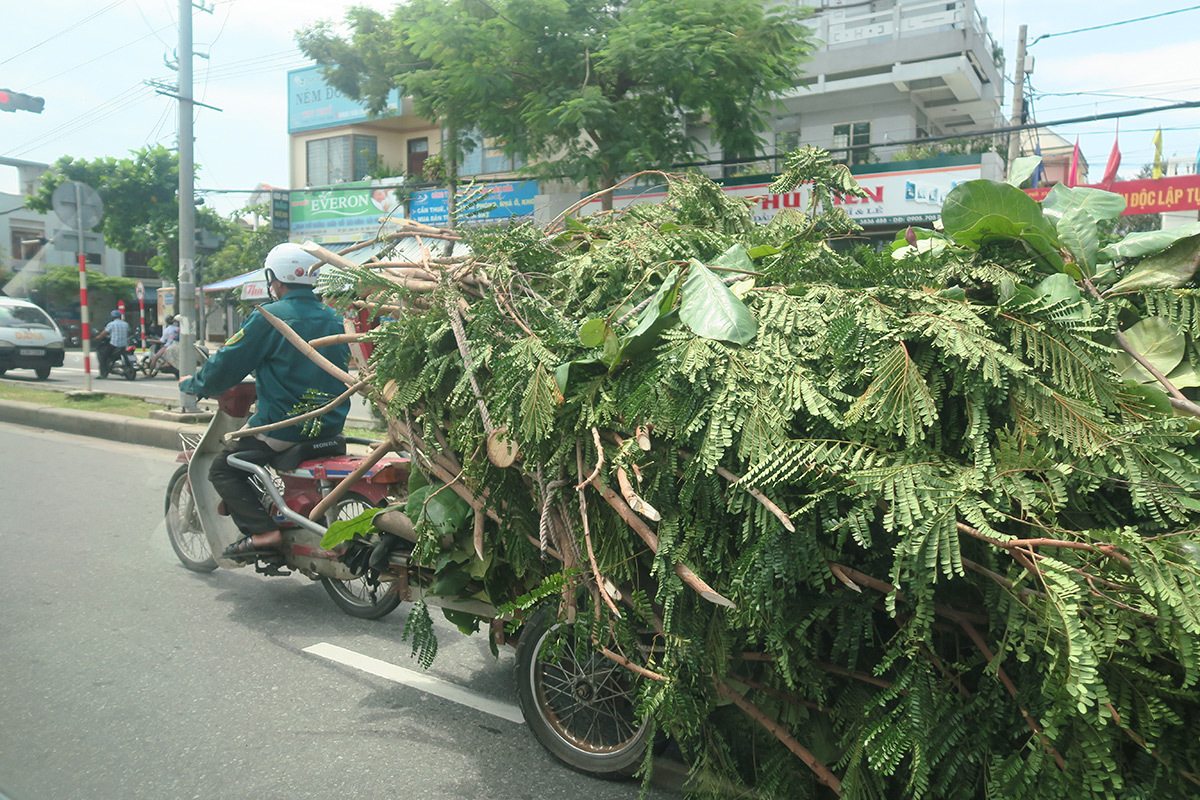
(852, 133)
(24, 317)
(339, 159)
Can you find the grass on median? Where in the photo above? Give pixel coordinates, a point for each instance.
(107, 403)
(121, 405)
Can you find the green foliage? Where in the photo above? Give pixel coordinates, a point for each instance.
(246, 245)
(988, 564)
(59, 286)
(589, 89)
(141, 208)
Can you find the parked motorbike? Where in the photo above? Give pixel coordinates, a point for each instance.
(293, 482)
(118, 360)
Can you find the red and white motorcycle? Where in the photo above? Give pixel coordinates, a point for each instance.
(293, 483)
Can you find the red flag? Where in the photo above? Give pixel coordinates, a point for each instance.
(1110, 171)
(1073, 172)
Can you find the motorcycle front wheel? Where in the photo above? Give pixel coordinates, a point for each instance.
(183, 525)
(579, 704)
(357, 597)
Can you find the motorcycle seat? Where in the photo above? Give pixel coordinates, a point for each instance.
(289, 459)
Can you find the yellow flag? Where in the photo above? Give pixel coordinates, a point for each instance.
(1157, 171)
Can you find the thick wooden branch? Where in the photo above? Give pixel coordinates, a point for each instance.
(651, 539)
(823, 773)
(581, 490)
(337, 338)
(287, 423)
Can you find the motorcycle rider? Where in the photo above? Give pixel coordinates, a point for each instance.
(111, 340)
(169, 334)
(288, 383)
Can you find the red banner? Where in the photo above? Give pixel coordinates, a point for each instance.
(1181, 193)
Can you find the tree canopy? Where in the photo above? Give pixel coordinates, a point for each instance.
(141, 210)
(585, 89)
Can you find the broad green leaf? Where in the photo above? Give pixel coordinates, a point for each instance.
(1022, 170)
(735, 257)
(764, 250)
(1184, 376)
(660, 303)
(1077, 232)
(1145, 243)
(980, 211)
(1159, 342)
(591, 333)
(1151, 395)
(1170, 269)
(444, 510)
(344, 530)
(1096, 203)
(710, 310)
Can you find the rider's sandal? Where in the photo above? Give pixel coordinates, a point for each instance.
(244, 550)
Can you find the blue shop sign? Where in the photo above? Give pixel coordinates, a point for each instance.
(314, 104)
(504, 200)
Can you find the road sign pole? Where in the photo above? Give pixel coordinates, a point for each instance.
(85, 327)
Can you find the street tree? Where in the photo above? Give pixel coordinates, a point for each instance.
(248, 239)
(585, 89)
(141, 210)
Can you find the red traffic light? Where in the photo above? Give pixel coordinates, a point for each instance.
(15, 101)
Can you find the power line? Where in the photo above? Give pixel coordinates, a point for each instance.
(102, 55)
(1113, 24)
(67, 29)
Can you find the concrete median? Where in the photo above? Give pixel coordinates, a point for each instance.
(131, 430)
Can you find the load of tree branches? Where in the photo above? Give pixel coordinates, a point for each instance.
(918, 524)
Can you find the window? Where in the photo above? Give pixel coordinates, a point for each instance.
(851, 134)
(418, 151)
(786, 143)
(339, 159)
(487, 158)
(21, 251)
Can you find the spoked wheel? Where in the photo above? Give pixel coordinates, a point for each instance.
(578, 703)
(357, 597)
(183, 525)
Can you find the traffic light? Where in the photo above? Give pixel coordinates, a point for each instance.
(15, 101)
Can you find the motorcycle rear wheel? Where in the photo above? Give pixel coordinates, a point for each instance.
(357, 597)
(183, 525)
(130, 368)
(578, 703)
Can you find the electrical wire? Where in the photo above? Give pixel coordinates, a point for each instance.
(102, 55)
(1112, 24)
(67, 29)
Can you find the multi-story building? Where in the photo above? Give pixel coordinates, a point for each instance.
(885, 72)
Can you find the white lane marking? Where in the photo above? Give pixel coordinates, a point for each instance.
(417, 680)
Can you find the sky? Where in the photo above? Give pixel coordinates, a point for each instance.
(89, 58)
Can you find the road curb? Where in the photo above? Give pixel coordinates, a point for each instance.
(130, 430)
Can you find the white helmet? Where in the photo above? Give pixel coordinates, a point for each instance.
(289, 263)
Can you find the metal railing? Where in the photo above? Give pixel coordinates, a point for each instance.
(904, 19)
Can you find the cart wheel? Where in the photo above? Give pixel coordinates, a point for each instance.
(579, 704)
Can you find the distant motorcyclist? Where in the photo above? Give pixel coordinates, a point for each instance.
(111, 340)
(170, 334)
(288, 384)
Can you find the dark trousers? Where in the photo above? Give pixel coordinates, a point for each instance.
(243, 499)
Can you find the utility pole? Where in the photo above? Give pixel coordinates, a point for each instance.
(1018, 103)
(187, 207)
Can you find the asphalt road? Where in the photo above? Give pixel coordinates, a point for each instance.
(123, 675)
